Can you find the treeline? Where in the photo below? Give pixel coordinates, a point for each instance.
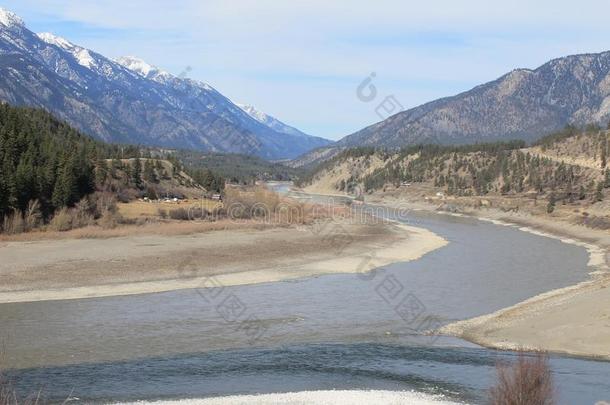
(237, 169)
(502, 171)
(208, 179)
(480, 169)
(569, 131)
(590, 143)
(385, 154)
(43, 159)
(463, 169)
(46, 166)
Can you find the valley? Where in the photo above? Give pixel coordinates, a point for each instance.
(166, 238)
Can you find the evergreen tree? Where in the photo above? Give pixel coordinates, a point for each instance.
(43, 159)
(551, 205)
(149, 172)
(136, 173)
(101, 171)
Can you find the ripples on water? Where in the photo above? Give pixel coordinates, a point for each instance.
(167, 346)
(457, 373)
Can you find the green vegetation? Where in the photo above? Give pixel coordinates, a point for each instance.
(208, 179)
(44, 160)
(461, 170)
(548, 140)
(498, 168)
(52, 174)
(238, 169)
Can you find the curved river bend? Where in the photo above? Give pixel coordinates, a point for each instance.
(342, 331)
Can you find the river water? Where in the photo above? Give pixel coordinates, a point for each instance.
(347, 331)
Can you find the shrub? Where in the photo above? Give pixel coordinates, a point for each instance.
(81, 214)
(219, 213)
(180, 214)
(61, 221)
(526, 382)
(151, 193)
(123, 196)
(196, 212)
(10, 396)
(13, 223)
(32, 216)
(110, 219)
(264, 204)
(102, 202)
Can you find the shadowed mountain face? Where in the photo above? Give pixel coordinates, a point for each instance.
(523, 104)
(128, 100)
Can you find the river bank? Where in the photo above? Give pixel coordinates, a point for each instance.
(86, 268)
(574, 320)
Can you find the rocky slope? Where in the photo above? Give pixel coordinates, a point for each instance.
(129, 100)
(523, 104)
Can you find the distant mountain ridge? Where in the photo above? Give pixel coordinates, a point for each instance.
(270, 121)
(128, 100)
(524, 104)
(313, 142)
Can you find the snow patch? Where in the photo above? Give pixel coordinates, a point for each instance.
(142, 68)
(356, 397)
(269, 121)
(10, 19)
(82, 56)
(55, 40)
(136, 64)
(254, 113)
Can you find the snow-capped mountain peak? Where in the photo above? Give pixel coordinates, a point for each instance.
(254, 113)
(270, 121)
(142, 68)
(82, 56)
(55, 40)
(10, 19)
(129, 100)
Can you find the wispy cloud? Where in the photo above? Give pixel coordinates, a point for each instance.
(302, 60)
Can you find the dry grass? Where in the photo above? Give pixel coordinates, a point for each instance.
(13, 223)
(255, 208)
(61, 221)
(263, 204)
(527, 382)
(9, 395)
(139, 209)
(168, 228)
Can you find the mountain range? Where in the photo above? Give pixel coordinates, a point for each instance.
(523, 104)
(130, 101)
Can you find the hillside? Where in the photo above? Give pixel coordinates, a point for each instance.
(567, 171)
(49, 169)
(238, 168)
(522, 104)
(128, 100)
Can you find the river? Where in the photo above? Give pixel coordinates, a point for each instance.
(346, 331)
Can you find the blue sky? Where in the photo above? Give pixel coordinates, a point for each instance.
(302, 61)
